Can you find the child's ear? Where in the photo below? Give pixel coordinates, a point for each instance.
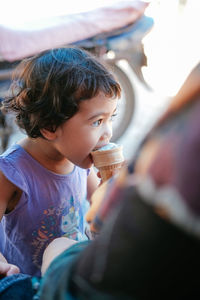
(49, 135)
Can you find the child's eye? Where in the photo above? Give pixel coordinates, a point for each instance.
(97, 123)
(113, 117)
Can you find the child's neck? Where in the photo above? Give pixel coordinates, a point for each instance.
(47, 156)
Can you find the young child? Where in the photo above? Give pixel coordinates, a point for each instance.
(64, 99)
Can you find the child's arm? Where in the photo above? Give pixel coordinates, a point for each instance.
(92, 183)
(7, 191)
(55, 248)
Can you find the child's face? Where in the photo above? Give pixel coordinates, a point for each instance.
(89, 128)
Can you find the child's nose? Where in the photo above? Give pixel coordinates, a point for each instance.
(107, 133)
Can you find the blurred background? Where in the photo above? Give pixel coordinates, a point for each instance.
(172, 49)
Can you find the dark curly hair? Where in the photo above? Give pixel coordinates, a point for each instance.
(48, 88)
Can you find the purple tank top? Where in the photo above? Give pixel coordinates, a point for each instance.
(51, 205)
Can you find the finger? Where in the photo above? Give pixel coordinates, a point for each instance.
(98, 174)
(12, 270)
(4, 267)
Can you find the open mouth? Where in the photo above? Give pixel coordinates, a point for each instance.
(101, 146)
(90, 156)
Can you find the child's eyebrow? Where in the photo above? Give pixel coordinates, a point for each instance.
(98, 115)
(101, 114)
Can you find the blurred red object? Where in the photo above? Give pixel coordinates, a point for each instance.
(67, 29)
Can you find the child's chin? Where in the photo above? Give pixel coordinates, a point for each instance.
(87, 163)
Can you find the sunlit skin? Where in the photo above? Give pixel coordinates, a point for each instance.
(90, 128)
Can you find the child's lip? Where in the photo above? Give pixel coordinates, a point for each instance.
(97, 148)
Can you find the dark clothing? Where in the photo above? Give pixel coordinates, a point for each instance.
(16, 287)
(56, 283)
(137, 255)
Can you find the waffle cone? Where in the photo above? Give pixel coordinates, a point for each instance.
(108, 162)
(108, 171)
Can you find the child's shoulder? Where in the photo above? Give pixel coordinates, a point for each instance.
(16, 158)
(12, 166)
(15, 148)
(13, 153)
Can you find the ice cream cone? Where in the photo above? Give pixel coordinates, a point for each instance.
(108, 162)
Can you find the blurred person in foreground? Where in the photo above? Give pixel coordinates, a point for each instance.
(148, 220)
